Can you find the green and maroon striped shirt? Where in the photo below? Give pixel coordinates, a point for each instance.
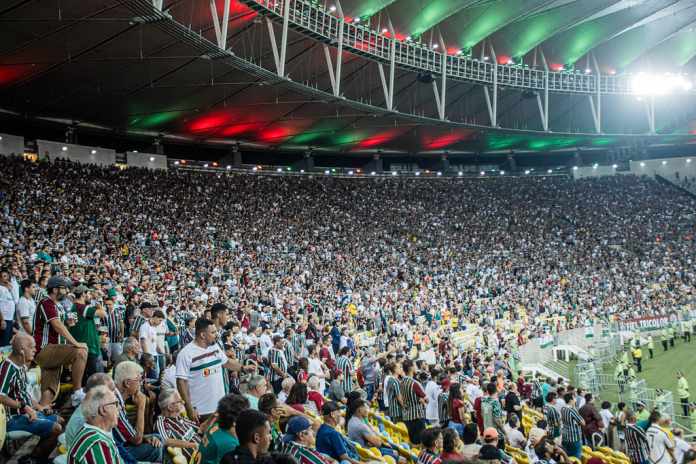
(93, 446)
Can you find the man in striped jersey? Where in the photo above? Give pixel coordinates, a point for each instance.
(24, 414)
(51, 354)
(414, 402)
(128, 377)
(571, 430)
(278, 364)
(116, 327)
(345, 365)
(553, 417)
(392, 391)
(299, 442)
(291, 356)
(637, 446)
(176, 430)
(94, 444)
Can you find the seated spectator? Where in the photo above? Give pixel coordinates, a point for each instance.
(51, 355)
(95, 443)
(222, 437)
(314, 395)
(329, 441)
(256, 388)
(360, 431)
(336, 391)
(285, 387)
(471, 448)
(298, 397)
(131, 352)
(548, 452)
(451, 445)
(274, 410)
(299, 442)
(128, 377)
(176, 430)
(23, 413)
(513, 435)
(431, 439)
(490, 440)
(254, 433)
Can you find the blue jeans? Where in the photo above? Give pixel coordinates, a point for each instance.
(42, 426)
(573, 448)
(146, 452)
(6, 334)
(369, 390)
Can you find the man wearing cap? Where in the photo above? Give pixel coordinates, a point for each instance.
(298, 442)
(146, 310)
(85, 330)
(329, 441)
(52, 355)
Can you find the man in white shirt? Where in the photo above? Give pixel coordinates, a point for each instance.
(7, 307)
(661, 446)
(151, 335)
(199, 373)
(681, 446)
(26, 305)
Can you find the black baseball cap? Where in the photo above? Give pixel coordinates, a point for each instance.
(329, 407)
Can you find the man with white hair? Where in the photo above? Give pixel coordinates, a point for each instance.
(94, 443)
(176, 430)
(128, 377)
(256, 388)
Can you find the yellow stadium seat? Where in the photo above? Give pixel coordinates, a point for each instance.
(66, 388)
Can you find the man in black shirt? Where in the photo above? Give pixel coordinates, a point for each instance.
(254, 434)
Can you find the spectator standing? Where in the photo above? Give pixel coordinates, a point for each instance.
(414, 402)
(7, 307)
(199, 372)
(26, 307)
(85, 329)
(572, 425)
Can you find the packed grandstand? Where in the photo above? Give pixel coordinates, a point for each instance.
(202, 317)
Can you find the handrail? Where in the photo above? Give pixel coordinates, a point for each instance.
(314, 21)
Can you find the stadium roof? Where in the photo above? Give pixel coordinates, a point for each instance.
(123, 65)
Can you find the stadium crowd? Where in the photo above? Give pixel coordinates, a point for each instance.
(231, 312)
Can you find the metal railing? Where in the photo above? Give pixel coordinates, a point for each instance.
(314, 21)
